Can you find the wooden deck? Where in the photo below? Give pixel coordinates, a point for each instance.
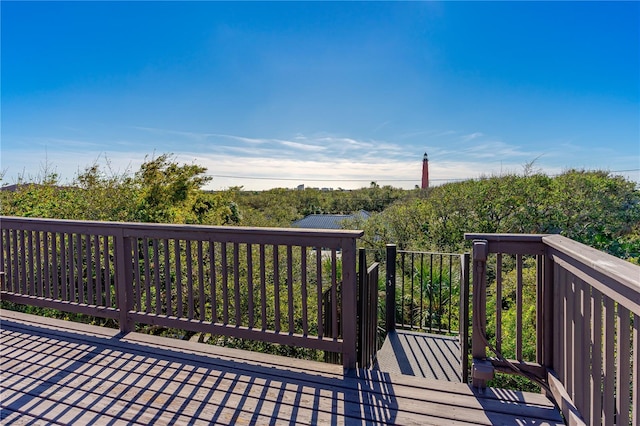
(422, 355)
(57, 372)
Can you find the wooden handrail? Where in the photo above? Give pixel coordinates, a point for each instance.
(587, 322)
(218, 280)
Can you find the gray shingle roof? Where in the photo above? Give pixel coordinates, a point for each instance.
(327, 221)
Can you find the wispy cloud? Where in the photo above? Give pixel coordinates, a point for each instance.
(322, 159)
(470, 137)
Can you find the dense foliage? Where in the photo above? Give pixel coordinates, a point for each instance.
(592, 207)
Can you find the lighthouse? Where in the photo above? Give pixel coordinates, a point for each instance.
(425, 171)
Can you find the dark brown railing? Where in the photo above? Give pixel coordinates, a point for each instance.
(585, 328)
(262, 284)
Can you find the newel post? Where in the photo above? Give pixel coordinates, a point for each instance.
(390, 292)
(349, 304)
(124, 284)
(482, 370)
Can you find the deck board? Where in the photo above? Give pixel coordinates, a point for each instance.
(54, 374)
(422, 355)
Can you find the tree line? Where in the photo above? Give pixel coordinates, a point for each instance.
(592, 207)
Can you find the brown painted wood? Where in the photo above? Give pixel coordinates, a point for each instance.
(290, 306)
(236, 284)
(623, 365)
(189, 273)
(608, 361)
(305, 296)
(595, 379)
(319, 289)
(636, 370)
(156, 276)
(250, 289)
(151, 380)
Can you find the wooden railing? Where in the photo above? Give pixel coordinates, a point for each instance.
(585, 328)
(263, 284)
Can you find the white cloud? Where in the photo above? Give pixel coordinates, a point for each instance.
(321, 160)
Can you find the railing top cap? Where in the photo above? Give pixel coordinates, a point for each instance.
(505, 237)
(339, 233)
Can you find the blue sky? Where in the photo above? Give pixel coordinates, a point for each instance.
(326, 94)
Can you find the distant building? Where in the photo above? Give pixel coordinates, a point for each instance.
(425, 171)
(328, 221)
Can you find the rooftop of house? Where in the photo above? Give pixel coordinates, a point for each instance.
(328, 221)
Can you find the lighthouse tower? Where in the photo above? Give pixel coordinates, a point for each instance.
(425, 171)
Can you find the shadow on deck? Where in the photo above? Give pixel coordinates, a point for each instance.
(425, 355)
(61, 372)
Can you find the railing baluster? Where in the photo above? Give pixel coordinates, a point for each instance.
(451, 293)
(178, 261)
(39, 265)
(608, 409)
(585, 344)
(24, 280)
(290, 309)
(98, 270)
(189, 272)
(276, 287)
(440, 297)
(402, 313)
(539, 310)
(250, 290)
(558, 339)
(579, 319)
(263, 289)
(156, 275)
(78, 259)
(569, 333)
(64, 289)
(305, 296)
(431, 292)
(623, 370)
(519, 304)
(213, 281)
(225, 283)
(595, 389)
(89, 260)
(71, 265)
(30, 276)
(167, 276)
(236, 283)
(45, 260)
(137, 291)
(499, 302)
(6, 260)
(334, 295)
(107, 269)
(147, 274)
(319, 292)
(636, 370)
(421, 318)
(201, 291)
(412, 294)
